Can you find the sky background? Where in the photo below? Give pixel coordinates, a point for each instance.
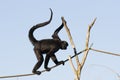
(16, 51)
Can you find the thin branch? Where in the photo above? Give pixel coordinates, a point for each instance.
(72, 66)
(110, 53)
(23, 75)
(75, 55)
(70, 38)
(68, 32)
(20, 75)
(110, 69)
(87, 43)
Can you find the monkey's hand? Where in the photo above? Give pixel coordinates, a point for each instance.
(61, 62)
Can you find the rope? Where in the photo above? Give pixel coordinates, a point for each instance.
(23, 75)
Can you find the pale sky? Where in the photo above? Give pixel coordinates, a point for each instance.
(18, 16)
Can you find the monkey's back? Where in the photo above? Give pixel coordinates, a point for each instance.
(47, 45)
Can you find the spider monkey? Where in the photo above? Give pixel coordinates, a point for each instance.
(46, 46)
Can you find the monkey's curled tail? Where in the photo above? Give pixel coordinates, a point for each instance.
(31, 37)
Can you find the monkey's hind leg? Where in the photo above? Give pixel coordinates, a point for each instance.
(39, 63)
(47, 58)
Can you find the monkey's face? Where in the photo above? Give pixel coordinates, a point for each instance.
(64, 45)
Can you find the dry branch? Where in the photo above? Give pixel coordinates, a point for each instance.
(77, 71)
(72, 66)
(87, 43)
(23, 75)
(110, 53)
(110, 69)
(70, 38)
(68, 32)
(19, 75)
(73, 46)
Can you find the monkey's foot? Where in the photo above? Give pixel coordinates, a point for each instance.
(47, 69)
(36, 72)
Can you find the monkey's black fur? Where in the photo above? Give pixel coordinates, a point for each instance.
(46, 46)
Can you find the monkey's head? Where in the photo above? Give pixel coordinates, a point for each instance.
(64, 45)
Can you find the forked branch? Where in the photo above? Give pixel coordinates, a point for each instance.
(87, 43)
(77, 71)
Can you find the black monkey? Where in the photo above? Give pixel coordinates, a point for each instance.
(46, 46)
